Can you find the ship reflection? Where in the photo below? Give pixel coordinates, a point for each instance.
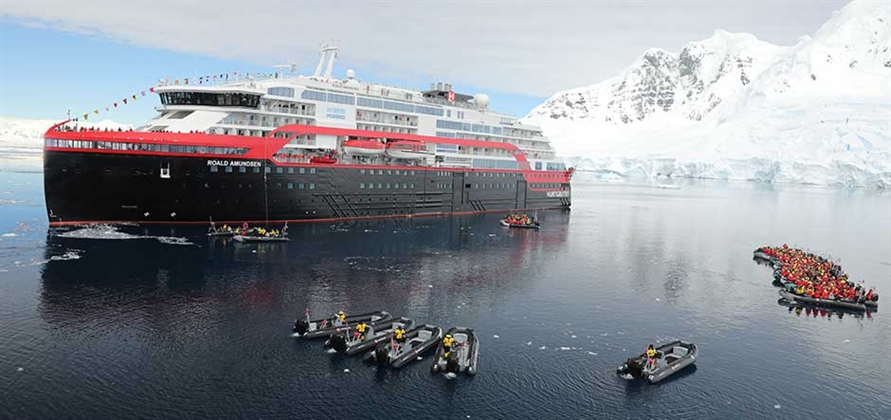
(420, 266)
(800, 309)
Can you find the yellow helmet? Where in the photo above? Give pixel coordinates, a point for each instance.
(448, 336)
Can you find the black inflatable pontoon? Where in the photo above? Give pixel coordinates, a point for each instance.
(464, 356)
(799, 307)
(349, 343)
(418, 341)
(534, 225)
(671, 358)
(326, 327)
(829, 303)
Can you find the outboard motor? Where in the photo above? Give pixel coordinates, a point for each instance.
(338, 343)
(452, 363)
(631, 368)
(875, 297)
(301, 326)
(382, 355)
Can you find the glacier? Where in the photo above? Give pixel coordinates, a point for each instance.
(21, 141)
(736, 108)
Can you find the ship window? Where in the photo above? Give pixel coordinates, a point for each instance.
(300, 186)
(380, 186)
(278, 185)
(214, 168)
(312, 186)
(396, 185)
(312, 170)
(302, 170)
(313, 95)
(370, 185)
(361, 185)
(380, 171)
(228, 169)
(361, 172)
(242, 169)
(268, 170)
(412, 184)
(388, 185)
(389, 172)
(256, 169)
(290, 170)
(290, 186)
(279, 170)
(404, 185)
(281, 91)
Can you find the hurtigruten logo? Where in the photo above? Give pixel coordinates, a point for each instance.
(557, 194)
(250, 163)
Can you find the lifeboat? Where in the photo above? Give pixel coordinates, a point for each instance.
(363, 147)
(404, 149)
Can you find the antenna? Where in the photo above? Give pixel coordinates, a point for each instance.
(329, 51)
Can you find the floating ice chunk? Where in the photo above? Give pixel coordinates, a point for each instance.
(543, 347)
(346, 371)
(658, 300)
(21, 369)
(430, 285)
(777, 406)
(496, 336)
(592, 353)
(573, 336)
(846, 341)
(565, 348)
(529, 343)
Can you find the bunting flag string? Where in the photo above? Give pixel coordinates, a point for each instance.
(201, 80)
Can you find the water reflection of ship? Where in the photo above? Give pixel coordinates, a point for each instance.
(426, 263)
(87, 278)
(802, 309)
(357, 265)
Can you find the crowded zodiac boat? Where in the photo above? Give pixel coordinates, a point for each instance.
(259, 234)
(522, 221)
(808, 278)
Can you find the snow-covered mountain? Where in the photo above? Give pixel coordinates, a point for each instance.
(734, 107)
(23, 133)
(689, 84)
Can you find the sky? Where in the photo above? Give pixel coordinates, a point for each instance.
(79, 55)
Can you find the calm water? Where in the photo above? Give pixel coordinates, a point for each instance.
(105, 323)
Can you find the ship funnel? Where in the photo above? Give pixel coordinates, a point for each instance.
(448, 86)
(438, 85)
(432, 85)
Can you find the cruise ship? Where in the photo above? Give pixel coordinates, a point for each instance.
(288, 147)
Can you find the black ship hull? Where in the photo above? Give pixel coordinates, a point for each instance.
(94, 187)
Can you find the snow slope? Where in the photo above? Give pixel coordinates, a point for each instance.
(733, 107)
(22, 133)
